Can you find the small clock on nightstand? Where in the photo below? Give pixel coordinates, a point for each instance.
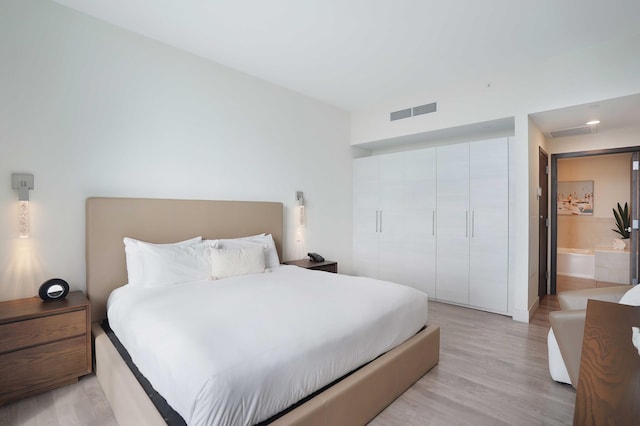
(327, 265)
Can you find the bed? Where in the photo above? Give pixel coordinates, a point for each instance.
(355, 399)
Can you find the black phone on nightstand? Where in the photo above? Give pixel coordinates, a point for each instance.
(315, 257)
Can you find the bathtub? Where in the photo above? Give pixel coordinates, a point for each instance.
(579, 263)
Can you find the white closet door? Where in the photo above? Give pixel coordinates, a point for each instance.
(419, 263)
(365, 216)
(391, 224)
(452, 223)
(489, 202)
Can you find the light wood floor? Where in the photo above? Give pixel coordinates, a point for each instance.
(80, 404)
(492, 371)
(564, 283)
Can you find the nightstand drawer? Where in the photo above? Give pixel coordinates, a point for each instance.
(42, 366)
(36, 331)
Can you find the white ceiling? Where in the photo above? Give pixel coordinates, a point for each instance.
(356, 53)
(612, 114)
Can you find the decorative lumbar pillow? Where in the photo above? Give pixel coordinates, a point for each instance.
(631, 297)
(272, 260)
(230, 262)
(134, 258)
(173, 264)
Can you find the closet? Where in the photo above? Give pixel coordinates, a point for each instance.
(394, 218)
(473, 224)
(436, 219)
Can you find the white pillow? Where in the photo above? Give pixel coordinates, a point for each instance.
(134, 260)
(272, 260)
(166, 265)
(631, 297)
(231, 262)
(239, 238)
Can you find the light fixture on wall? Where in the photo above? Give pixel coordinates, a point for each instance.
(23, 183)
(593, 125)
(300, 222)
(299, 209)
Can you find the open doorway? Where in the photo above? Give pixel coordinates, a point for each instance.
(585, 188)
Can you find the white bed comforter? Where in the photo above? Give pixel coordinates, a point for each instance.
(239, 350)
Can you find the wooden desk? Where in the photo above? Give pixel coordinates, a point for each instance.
(609, 381)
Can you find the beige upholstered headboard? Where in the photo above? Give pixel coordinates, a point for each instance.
(109, 220)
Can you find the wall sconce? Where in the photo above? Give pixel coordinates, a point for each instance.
(23, 183)
(300, 222)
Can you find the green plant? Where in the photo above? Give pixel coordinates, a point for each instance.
(623, 221)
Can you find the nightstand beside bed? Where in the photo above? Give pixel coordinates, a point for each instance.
(43, 345)
(327, 265)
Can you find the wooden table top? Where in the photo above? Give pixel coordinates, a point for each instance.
(609, 382)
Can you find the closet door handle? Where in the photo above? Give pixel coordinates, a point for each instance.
(473, 223)
(466, 223)
(380, 220)
(433, 222)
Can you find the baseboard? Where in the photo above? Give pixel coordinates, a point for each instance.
(522, 315)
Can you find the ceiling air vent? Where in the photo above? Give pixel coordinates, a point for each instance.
(425, 109)
(397, 115)
(412, 112)
(572, 131)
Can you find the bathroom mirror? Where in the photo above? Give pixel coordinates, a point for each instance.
(575, 198)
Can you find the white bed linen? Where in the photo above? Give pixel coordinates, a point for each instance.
(239, 350)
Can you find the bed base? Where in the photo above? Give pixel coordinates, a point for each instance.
(354, 400)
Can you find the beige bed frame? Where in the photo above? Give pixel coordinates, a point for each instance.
(352, 401)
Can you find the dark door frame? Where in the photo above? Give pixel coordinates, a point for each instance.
(554, 201)
(543, 230)
(635, 214)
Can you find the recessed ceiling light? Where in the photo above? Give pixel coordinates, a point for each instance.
(592, 122)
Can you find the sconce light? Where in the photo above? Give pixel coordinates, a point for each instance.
(23, 183)
(593, 125)
(300, 222)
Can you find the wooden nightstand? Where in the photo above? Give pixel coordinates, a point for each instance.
(43, 345)
(327, 265)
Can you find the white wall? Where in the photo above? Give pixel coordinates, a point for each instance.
(621, 137)
(611, 176)
(602, 72)
(93, 110)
